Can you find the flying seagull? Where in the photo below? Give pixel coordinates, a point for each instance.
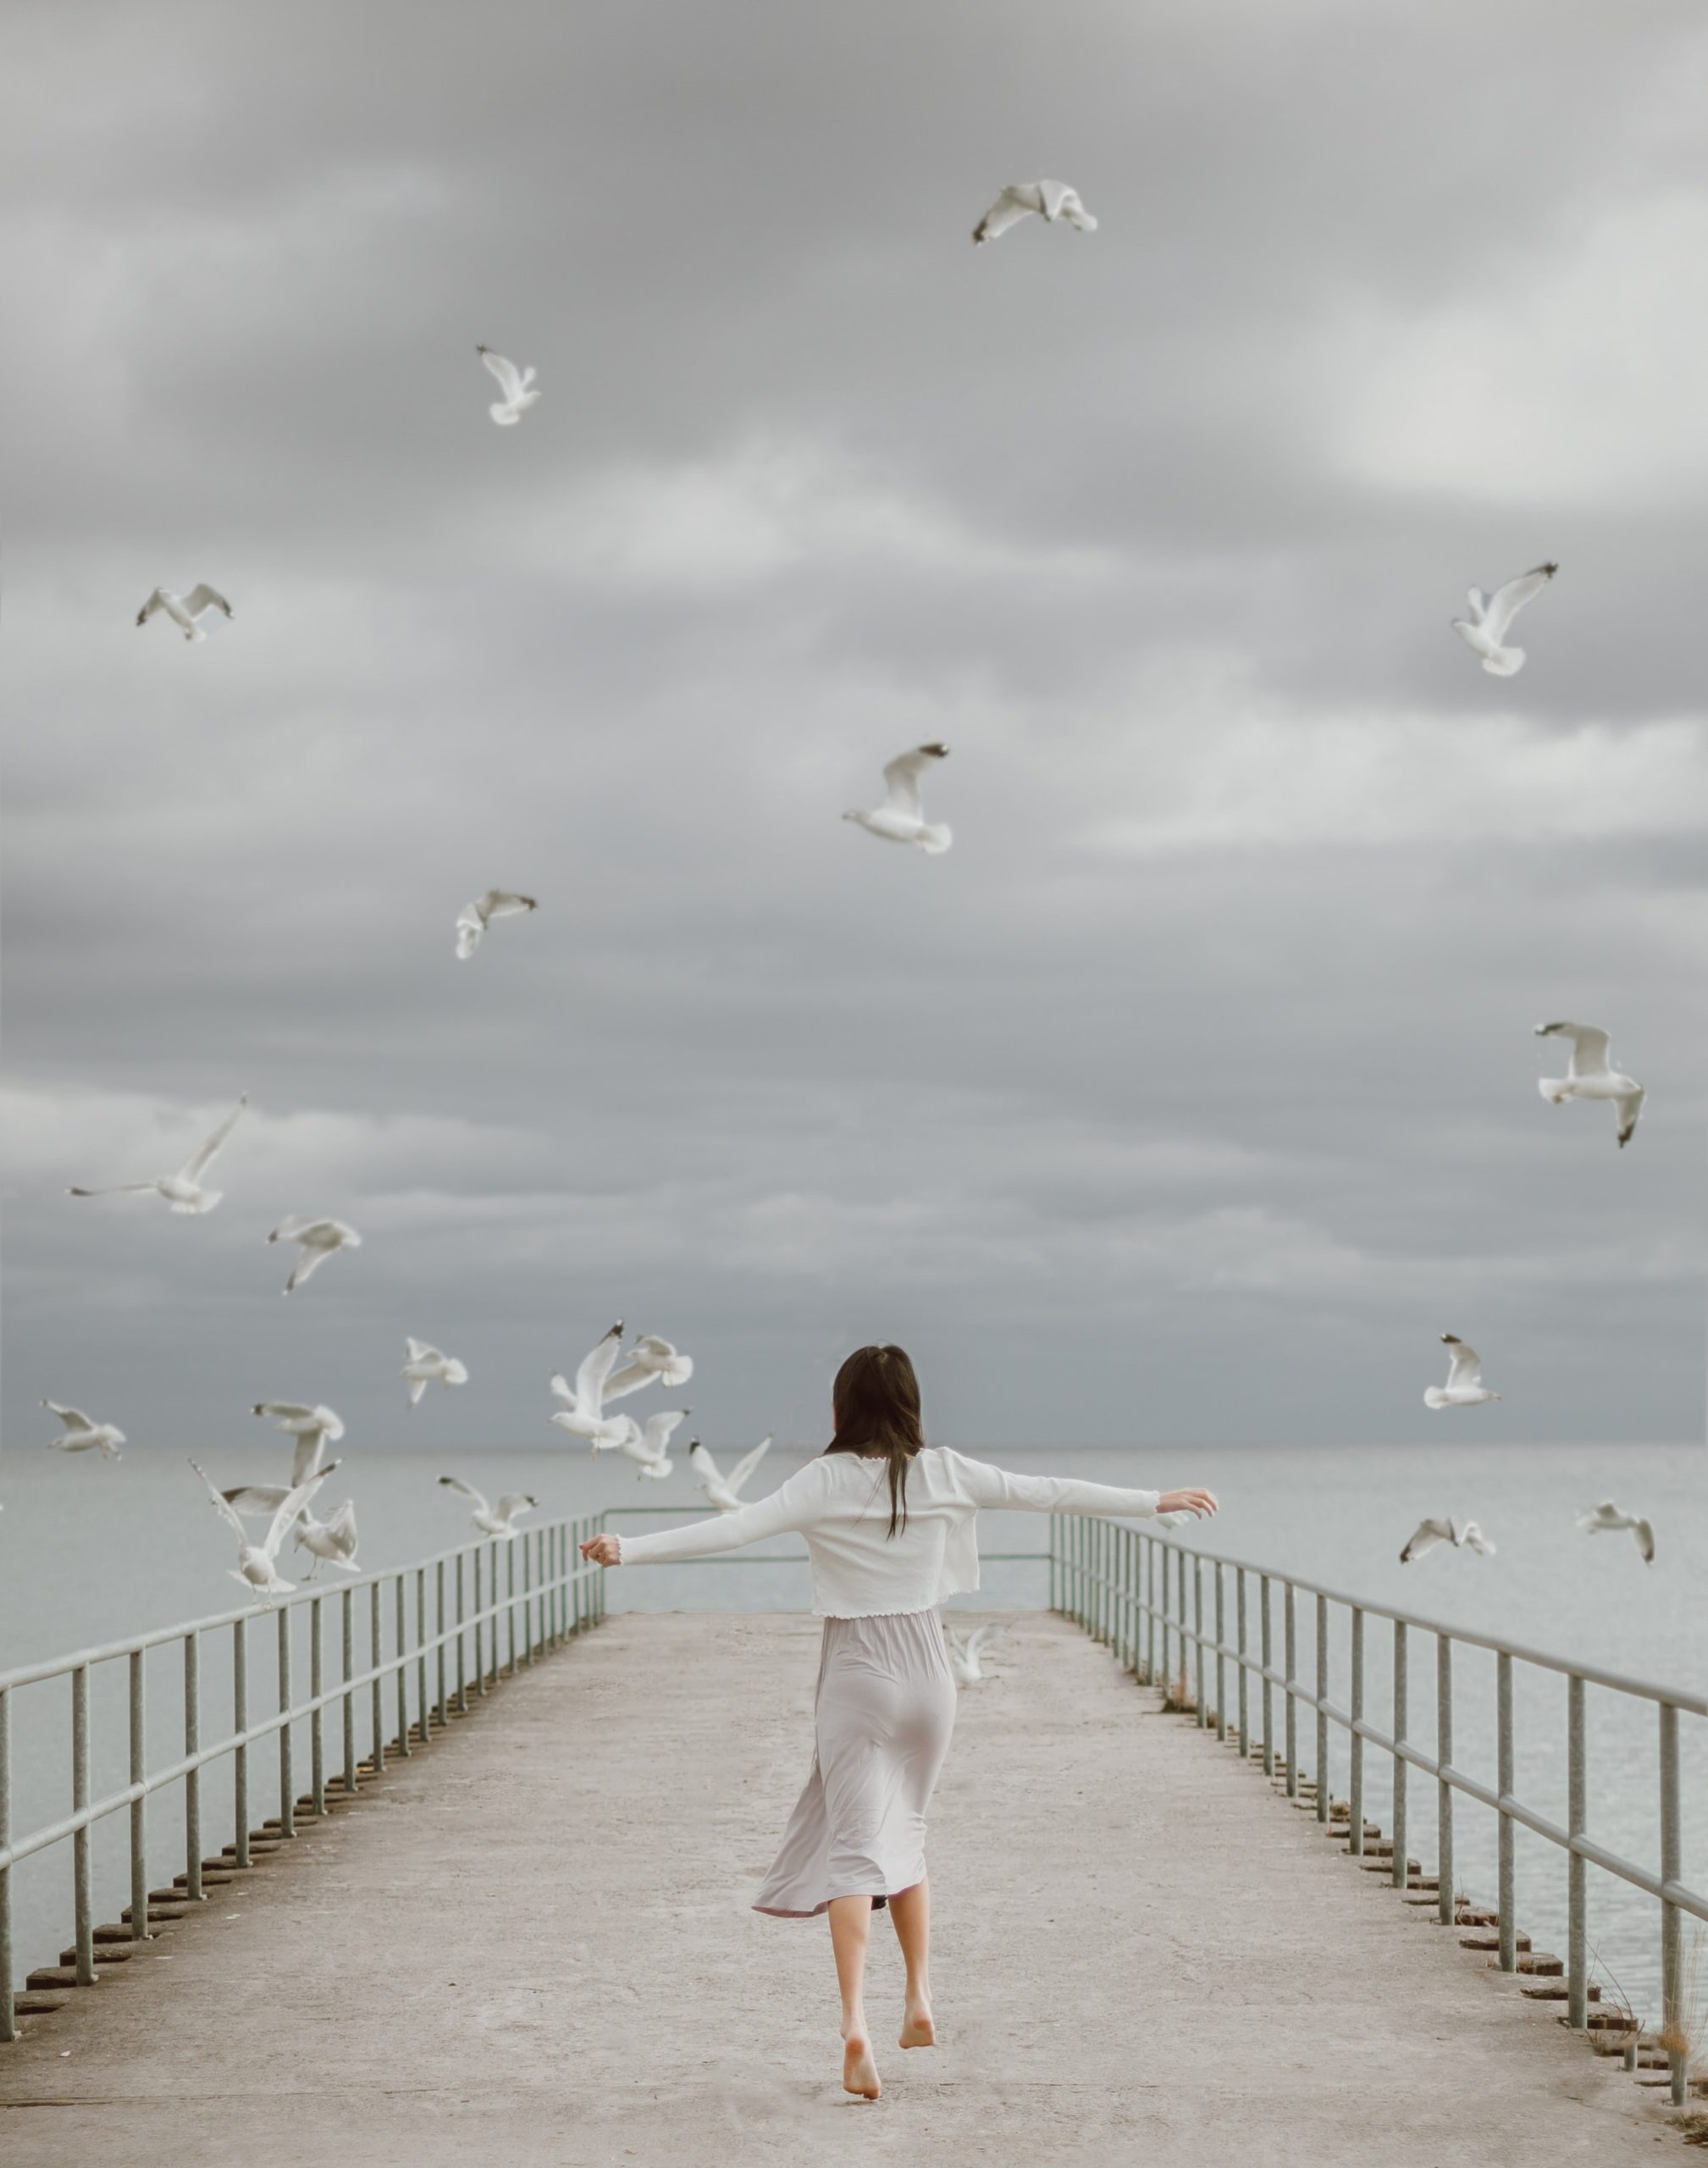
(517, 386)
(257, 1564)
(315, 1241)
(1590, 1075)
(964, 1654)
(473, 919)
(183, 1190)
(582, 1413)
(81, 1434)
(646, 1448)
(901, 818)
(1607, 1518)
(499, 1520)
(650, 1361)
(429, 1365)
(1049, 199)
(1491, 615)
(312, 1428)
(1462, 1534)
(184, 610)
(724, 1492)
(332, 1539)
(1464, 1387)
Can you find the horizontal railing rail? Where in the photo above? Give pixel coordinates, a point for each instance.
(547, 1597)
(1127, 1586)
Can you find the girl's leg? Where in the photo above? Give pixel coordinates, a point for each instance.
(850, 1926)
(911, 1910)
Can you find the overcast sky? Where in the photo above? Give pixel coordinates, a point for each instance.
(1192, 1094)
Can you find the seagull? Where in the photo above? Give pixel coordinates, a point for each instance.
(650, 1360)
(257, 1564)
(646, 1448)
(497, 1520)
(724, 1492)
(964, 1654)
(1591, 1076)
(517, 386)
(1462, 1534)
(81, 1435)
(1491, 615)
(183, 1190)
(312, 1428)
(1049, 199)
(333, 1539)
(901, 818)
(428, 1365)
(1464, 1387)
(473, 919)
(1608, 1518)
(582, 1413)
(264, 1499)
(184, 610)
(316, 1240)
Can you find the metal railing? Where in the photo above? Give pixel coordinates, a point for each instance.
(547, 1596)
(1128, 1586)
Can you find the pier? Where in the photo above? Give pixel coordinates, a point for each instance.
(529, 1939)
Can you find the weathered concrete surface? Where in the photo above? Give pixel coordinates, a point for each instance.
(532, 1944)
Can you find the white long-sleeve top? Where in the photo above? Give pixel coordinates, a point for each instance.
(840, 1502)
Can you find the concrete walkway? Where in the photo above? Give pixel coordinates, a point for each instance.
(531, 1945)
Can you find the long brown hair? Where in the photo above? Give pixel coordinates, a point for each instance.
(877, 1399)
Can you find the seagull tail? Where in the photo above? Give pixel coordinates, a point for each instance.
(1434, 1396)
(936, 838)
(505, 417)
(1552, 1088)
(1503, 661)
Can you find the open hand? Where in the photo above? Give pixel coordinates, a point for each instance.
(1181, 1501)
(604, 1551)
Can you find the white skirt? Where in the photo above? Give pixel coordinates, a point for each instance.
(883, 1714)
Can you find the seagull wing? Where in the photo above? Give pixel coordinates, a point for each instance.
(630, 1377)
(745, 1466)
(1645, 1534)
(202, 597)
(1007, 211)
(595, 1369)
(342, 1524)
(257, 1497)
(513, 1503)
(660, 1427)
(290, 1506)
(306, 1457)
(74, 1419)
(1630, 1106)
(204, 1152)
(1068, 207)
(978, 1637)
(699, 1459)
(465, 1491)
(422, 1350)
(902, 778)
(289, 1410)
(509, 380)
(499, 903)
(1466, 1368)
(1505, 602)
(1425, 1537)
(470, 926)
(223, 1505)
(156, 601)
(1589, 1045)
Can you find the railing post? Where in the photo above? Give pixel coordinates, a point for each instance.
(475, 1557)
(1444, 1906)
(402, 1666)
(1324, 1785)
(1399, 1866)
(1054, 1524)
(1506, 1871)
(461, 1644)
(1355, 1744)
(192, 1782)
(1576, 1825)
(1268, 1688)
(348, 1625)
(139, 1809)
(316, 1680)
(1221, 1661)
(1671, 1920)
(1245, 1681)
(8, 2021)
(421, 1652)
(239, 1724)
(376, 1644)
(82, 1896)
(526, 1543)
(287, 1769)
(1290, 1617)
(438, 1615)
(1201, 1710)
(1151, 1608)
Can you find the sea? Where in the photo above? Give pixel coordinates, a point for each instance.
(91, 1551)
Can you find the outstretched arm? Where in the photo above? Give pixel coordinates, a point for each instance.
(790, 1506)
(997, 1488)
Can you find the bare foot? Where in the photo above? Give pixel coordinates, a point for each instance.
(860, 2073)
(917, 2029)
